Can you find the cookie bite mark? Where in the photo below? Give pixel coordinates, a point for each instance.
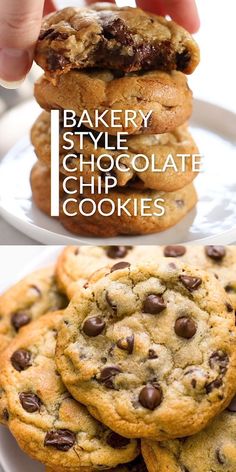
(122, 39)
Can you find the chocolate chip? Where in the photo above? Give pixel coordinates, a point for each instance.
(117, 252)
(126, 344)
(45, 33)
(34, 287)
(220, 360)
(191, 283)
(5, 414)
(61, 439)
(116, 441)
(185, 327)
(107, 376)
(119, 266)
(179, 203)
(174, 251)
(21, 359)
(116, 29)
(184, 469)
(93, 326)
(30, 402)
(150, 397)
(20, 319)
(215, 252)
(152, 354)
(230, 289)
(220, 456)
(56, 61)
(154, 304)
(232, 405)
(182, 60)
(212, 385)
(229, 307)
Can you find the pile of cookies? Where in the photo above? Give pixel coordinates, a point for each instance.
(104, 59)
(123, 358)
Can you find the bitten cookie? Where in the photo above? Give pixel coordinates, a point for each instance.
(144, 165)
(213, 449)
(146, 342)
(47, 423)
(166, 95)
(127, 39)
(165, 209)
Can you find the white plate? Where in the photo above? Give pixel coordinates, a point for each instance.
(213, 221)
(12, 459)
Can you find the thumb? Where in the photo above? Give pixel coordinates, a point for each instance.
(19, 29)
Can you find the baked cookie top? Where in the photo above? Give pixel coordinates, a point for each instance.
(104, 35)
(146, 342)
(47, 423)
(164, 98)
(28, 299)
(213, 449)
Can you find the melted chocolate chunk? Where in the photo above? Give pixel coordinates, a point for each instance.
(20, 319)
(232, 405)
(219, 360)
(126, 344)
(174, 251)
(93, 326)
(182, 60)
(56, 61)
(116, 441)
(107, 376)
(117, 252)
(154, 304)
(191, 283)
(30, 402)
(212, 385)
(150, 397)
(185, 327)
(119, 266)
(215, 252)
(220, 456)
(60, 439)
(116, 29)
(21, 359)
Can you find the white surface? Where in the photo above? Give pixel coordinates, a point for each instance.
(19, 262)
(214, 221)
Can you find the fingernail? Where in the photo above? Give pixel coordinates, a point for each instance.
(14, 65)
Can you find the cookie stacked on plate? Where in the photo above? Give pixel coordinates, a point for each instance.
(107, 60)
(143, 338)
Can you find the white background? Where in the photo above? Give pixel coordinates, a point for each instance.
(214, 80)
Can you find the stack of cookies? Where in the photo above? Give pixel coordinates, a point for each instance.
(123, 359)
(104, 59)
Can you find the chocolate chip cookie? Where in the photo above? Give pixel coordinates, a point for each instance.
(166, 95)
(150, 349)
(76, 265)
(165, 209)
(137, 465)
(47, 423)
(106, 36)
(213, 449)
(140, 166)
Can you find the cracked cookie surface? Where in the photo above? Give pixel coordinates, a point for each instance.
(213, 449)
(146, 342)
(46, 421)
(104, 35)
(130, 170)
(167, 95)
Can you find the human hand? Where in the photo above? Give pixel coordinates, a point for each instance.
(184, 12)
(20, 23)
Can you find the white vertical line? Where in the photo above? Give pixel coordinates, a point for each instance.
(55, 163)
